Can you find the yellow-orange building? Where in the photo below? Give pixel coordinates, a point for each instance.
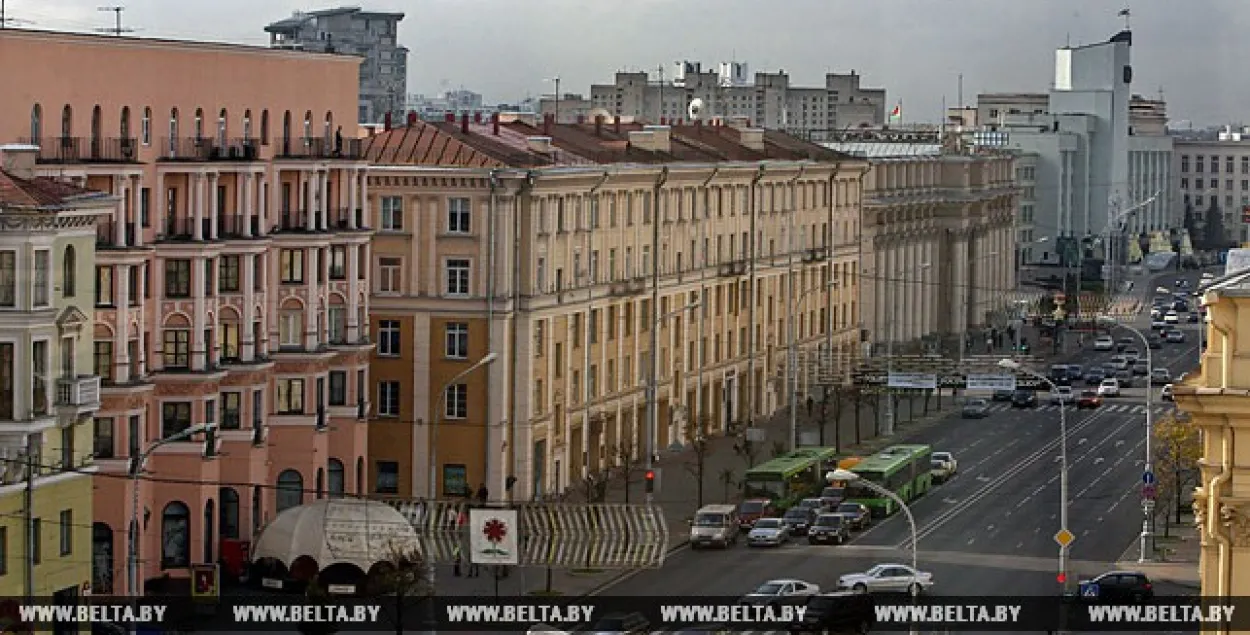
(540, 243)
(229, 286)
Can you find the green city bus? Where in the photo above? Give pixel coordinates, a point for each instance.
(791, 477)
(902, 469)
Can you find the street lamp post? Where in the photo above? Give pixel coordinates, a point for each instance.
(438, 416)
(1144, 541)
(889, 352)
(793, 365)
(136, 472)
(1011, 364)
(652, 387)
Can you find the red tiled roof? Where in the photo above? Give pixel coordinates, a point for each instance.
(40, 192)
(424, 144)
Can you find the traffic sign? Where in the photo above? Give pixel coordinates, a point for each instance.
(1149, 492)
(1089, 590)
(1148, 478)
(1064, 537)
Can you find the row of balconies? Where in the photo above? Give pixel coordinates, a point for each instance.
(233, 226)
(74, 150)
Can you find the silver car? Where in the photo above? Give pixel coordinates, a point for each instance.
(769, 532)
(887, 578)
(775, 591)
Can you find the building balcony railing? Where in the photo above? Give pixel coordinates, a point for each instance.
(182, 228)
(317, 148)
(238, 226)
(290, 220)
(339, 338)
(80, 392)
(342, 218)
(728, 269)
(207, 149)
(106, 235)
(61, 150)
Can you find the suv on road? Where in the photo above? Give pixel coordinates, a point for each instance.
(1122, 586)
(714, 526)
(829, 529)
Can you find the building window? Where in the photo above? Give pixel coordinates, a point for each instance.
(228, 524)
(103, 285)
(458, 213)
(290, 490)
(177, 278)
(175, 536)
(230, 340)
(290, 396)
(457, 345)
(177, 348)
(175, 417)
(291, 328)
(457, 406)
(389, 275)
(103, 447)
(228, 274)
(42, 264)
(392, 213)
(388, 478)
(69, 272)
(291, 266)
(388, 338)
(336, 478)
(336, 316)
(67, 532)
(338, 262)
(338, 388)
(8, 278)
(388, 399)
(103, 360)
(231, 410)
(458, 277)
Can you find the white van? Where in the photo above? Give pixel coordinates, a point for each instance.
(715, 526)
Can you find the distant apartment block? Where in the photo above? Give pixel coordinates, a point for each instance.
(354, 31)
(768, 101)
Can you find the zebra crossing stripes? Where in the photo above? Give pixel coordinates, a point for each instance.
(1106, 407)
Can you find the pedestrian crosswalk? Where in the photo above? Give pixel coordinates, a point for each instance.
(1106, 407)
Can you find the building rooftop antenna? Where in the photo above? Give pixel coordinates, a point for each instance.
(117, 28)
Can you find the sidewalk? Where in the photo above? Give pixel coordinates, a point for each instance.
(1175, 558)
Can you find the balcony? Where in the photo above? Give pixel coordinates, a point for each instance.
(78, 392)
(729, 269)
(182, 229)
(317, 148)
(238, 226)
(206, 149)
(296, 221)
(814, 255)
(106, 235)
(633, 286)
(340, 217)
(77, 150)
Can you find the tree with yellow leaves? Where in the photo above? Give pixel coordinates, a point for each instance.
(1177, 448)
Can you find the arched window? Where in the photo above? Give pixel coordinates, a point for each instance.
(67, 122)
(173, 125)
(290, 490)
(286, 132)
(329, 131)
(69, 270)
(228, 525)
(36, 123)
(101, 558)
(145, 126)
(336, 478)
(199, 123)
(210, 518)
(264, 126)
(321, 482)
(175, 536)
(307, 125)
(125, 123)
(247, 125)
(97, 122)
(360, 475)
(221, 127)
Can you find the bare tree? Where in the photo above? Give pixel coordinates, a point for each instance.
(837, 396)
(407, 580)
(727, 481)
(700, 445)
(627, 461)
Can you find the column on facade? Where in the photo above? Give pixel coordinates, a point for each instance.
(307, 181)
(135, 211)
(121, 189)
(249, 307)
(214, 205)
(197, 227)
(324, 212)
(353, 292)
(928, 287)
(198, 324)
(141, 364)
(960, 279)
(263, 198)
(894, 276)
(364, 197)
(879, 315)
(352, 183)
(311, 265)
(160, 207)
(248, 209)
(121, 332)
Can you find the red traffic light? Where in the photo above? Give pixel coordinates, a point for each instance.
(1061, 578)
(650, 475)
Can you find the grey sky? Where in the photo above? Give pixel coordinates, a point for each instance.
(914, 48)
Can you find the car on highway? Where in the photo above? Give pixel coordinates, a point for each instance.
(833, 496)
(1166, 393)
(1174, 337)
(1024, 398)
(1132, 355)
(816, 504)
(1125, 377)
(1160, 376)
(1075, 372)
(1003, 395)
(858, 513)
(1123, 343)
(1059, 372)
(1089, 400)
(777, 591)
(1104, 343)
(1121, 586)
(1171, 318)
(1109, 388)
(1163, 291)
(1141, 368)
(829, 529)
(1095, 376)
(1154, 341)
(1118, 362)
(753, 509)
(1193, 318)
(798, 519)
(1180, 306)
(768, 532)
(976, 409)
(1061, 395)
(947, 458)
(1158, 324)
(939, 471)
(617, 623)
(715, 526)
(837, 612)
(887, 578)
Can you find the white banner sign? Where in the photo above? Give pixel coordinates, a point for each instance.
(915, 381)
(991, 382)
(493, 536)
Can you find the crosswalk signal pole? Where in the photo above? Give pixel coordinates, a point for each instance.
(650, 484)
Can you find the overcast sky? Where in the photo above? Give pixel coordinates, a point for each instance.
(916, 49)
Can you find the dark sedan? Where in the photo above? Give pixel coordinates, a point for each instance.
(799, 520)
(1003, 395)
(829, 529)
(1024, 399)
(1095, 376)
(860, 516)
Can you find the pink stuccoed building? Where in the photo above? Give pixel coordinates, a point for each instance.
(232, 279)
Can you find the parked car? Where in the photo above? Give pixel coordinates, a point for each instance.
(1109, 388)
(1089, 400)
(1024, 399)
(837, 612)
(1122, 586)
(1104, 343)
(1160, 376)
(1166, 393)
(1062, 395)
(887, 578)
(859, 514)
(753, 509)
(829, 529)
(976, 409)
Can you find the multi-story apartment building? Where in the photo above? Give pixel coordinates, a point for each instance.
(1216, 172)
(228, 288)
(371, 35)
(563, 250)
(770, 101)
(48, 390)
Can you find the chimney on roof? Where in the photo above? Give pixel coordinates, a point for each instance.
(494, 124)
(412, 117)
(464, 123)
(617, 124)
(598, 125)
(386, 122)
(477, 117)
(18, 159)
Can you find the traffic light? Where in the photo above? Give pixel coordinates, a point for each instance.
(650, 481)
(1061, 578)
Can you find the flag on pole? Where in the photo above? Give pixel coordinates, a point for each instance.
(897, 113)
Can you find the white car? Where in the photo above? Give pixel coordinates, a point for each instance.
(1104, 343)
(1171, 318)
(1062, 395)
(948, 461)
(1109, 388)
(773, 591)
(767, 532)
(1166, 393)
(887, 578)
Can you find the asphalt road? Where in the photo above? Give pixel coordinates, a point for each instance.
(990, 530)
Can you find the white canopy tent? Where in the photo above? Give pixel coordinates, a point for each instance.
(338, 531)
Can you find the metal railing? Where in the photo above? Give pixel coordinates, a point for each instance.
(339, 218)
(180, 228)
(106, 234)
(290, 220)
(238, 225)
(208, 149)
(318, 148)
(57, 150)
